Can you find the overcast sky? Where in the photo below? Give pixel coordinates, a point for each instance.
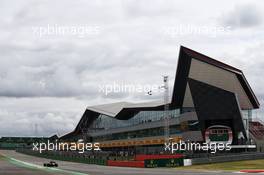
(47, 79)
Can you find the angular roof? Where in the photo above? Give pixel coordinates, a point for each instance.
(119, 110)
(113, 109)
(183, 68)
(209, 60)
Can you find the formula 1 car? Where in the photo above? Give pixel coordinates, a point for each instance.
(50, 164)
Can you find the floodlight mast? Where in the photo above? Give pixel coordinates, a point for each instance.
(166, 109)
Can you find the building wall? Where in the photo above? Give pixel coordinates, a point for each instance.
(188, 101)
(220, 78)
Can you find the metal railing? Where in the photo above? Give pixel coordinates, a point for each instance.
(256, 127)
(258, 120)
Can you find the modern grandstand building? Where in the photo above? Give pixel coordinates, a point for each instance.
(209, 99)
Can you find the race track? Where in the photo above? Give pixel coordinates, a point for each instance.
(13, 163)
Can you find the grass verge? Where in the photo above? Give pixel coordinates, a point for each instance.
(229, 166)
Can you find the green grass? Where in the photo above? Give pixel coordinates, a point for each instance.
(37, 168)
(229, 166)
(1, 157)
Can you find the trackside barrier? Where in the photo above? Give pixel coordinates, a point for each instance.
(153, 163)
(252, 171)
(187, 162)
(138, 164)
(155, 156)
(140, 161)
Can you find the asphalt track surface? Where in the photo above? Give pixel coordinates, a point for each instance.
(14, 163)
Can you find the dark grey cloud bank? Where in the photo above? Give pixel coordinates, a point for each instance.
(48, 81)
(243, 16)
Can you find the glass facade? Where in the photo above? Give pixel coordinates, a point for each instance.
(174, 129)
(107, 122)
(247, 114)
(191, 125)
(188, 109)
(247, 117)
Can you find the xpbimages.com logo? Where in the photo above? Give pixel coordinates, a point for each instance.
(213, 147)
(81, 147)
(121, 87)
(80, 31)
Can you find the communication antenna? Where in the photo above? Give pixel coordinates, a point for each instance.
(166, 109)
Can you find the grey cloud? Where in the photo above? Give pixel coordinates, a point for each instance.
(114, 95)
(243, 16)
(260, 97)
(61, 82)
(64, 69)
(143, 8)
(37, 124)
